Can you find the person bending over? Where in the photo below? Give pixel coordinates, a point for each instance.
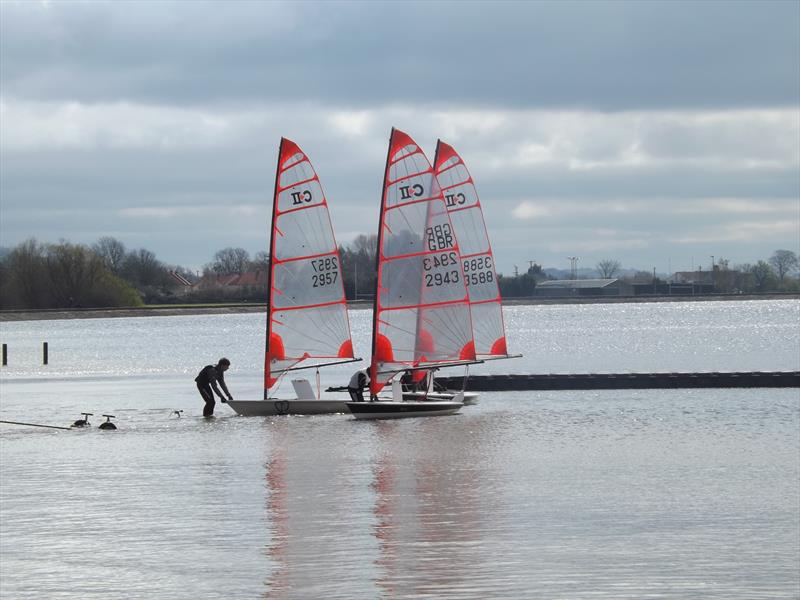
(358, 382)
(207, 381)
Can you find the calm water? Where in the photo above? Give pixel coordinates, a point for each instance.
(606, 494)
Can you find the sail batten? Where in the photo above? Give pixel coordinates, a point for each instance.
(307, 310)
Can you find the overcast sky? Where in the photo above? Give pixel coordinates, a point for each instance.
(656, 134)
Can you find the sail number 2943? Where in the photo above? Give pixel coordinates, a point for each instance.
(438, 261)
(326, 271)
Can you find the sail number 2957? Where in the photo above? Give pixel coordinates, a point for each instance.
(326, 271)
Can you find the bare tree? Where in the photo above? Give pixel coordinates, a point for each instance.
(230, 261)
(261, 260)
(111, 251)
(27, 273)
(762, 274)
(608, 268)
(142, 268)
(784, 262)
(74, 272)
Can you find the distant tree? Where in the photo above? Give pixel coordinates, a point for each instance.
(27, 281)
(535, 270)
(784, 262)
(74, 271)
(724, 277)
(143, 269)
(230, 261)
(112, 253)
(260, 260)
(763, 276)
(520, 286)
(358, 266)
(60, 275)
(608, 268)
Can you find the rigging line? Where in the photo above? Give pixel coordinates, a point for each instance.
(464, 183)
(498, 298)
(403, 154)
(308, 336)
(460, 208)
(408, 176)
(305, 306)
(416, 201)
(281, 261)
(299, 182)
(291, 210)
(450, 168)
(474, 254)
(464, 300)
(290, 165)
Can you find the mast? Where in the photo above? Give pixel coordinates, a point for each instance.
(373, 370)
(269, 268)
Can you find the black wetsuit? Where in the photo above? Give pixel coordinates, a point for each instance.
(356, 386)
(206, 380)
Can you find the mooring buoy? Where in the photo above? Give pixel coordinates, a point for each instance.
(107, 424)
(84, 421)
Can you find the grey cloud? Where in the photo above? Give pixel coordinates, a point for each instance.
(599, 55)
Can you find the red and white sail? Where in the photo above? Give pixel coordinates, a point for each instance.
(307, 314)
(422, 314)
(464, 206)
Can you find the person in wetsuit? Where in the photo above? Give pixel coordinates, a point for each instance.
(207, 381)
(358, 382)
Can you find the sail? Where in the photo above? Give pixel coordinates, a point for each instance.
(421, 314)
(307, 314)
(466, 214)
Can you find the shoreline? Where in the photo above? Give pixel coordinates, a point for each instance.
(168, 311)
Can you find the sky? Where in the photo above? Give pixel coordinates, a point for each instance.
(658, 134)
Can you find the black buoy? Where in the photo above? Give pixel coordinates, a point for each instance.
(177, 412)
(107, 424)
(84, 421)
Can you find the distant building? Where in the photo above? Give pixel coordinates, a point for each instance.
(256, 278)
(181, 285)
(560, 288)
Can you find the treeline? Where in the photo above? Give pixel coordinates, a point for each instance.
(63, 275)
(776, 274)
(34, 275)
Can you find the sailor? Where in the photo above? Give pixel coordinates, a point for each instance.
(207, 380)
(358, 382)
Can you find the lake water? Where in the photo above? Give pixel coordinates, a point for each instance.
(570, 494)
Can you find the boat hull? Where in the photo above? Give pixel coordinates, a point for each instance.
(470, 398)
(275, 406)
(402, 410)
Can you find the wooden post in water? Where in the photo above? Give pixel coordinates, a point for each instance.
(5, 355)
(44, 353)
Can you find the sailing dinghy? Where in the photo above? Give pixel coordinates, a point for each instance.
(486, 304)
(307, 322)
(421, 316)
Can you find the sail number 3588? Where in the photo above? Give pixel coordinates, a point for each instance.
(478, 270)
(326, 271)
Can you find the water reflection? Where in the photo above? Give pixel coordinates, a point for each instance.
(428, 514)
(394, 508)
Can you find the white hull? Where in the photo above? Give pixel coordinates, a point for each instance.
(276, 406)
(401, 410)
(469, 397)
